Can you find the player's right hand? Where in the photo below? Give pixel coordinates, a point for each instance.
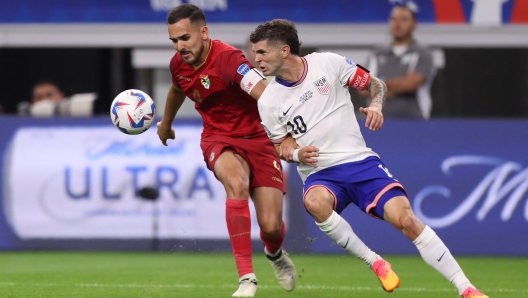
(309, 155)
(286, 148)
(374, 116)
(165, 133)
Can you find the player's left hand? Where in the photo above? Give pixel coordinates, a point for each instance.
(309, 155)
(287, 147)
(374, 117)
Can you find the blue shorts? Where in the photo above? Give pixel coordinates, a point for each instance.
(366, 183)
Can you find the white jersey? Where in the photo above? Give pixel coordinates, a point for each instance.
(316, 111)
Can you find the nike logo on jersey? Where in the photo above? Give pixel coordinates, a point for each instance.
(346, 244)
(441, 256)
(284, 113)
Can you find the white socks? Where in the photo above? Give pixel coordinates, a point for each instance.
(341, 232)
(435, 253)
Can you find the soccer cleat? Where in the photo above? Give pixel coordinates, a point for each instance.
(473, 293)
(284, 269)
(388, 278)
(247, 286)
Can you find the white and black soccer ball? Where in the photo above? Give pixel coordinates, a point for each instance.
(132, 111)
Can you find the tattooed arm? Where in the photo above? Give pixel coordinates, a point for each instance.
(378, 93)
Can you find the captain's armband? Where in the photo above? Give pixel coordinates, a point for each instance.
(250, 79)
(360, 78)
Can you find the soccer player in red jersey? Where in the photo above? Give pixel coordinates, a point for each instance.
(225, 86)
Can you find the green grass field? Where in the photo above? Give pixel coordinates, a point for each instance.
(115, 274)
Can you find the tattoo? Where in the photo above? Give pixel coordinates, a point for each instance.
(378, 91)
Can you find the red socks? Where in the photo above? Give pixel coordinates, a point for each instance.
(273, 245)
(239, 228)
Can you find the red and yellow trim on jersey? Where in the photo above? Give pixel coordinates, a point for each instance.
(205, 60)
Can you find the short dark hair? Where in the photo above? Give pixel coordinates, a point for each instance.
(186, 11)
(46, 81)
(278, 30)
(409, 7)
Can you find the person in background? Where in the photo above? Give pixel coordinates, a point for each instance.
(406, 67)
(248, 51)
(45, 99)
(48, 100)
(47, 90)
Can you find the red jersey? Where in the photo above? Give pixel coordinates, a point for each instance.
(215, 88)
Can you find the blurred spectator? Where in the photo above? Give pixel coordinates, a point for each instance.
(48, 100)
(248, 50)
(46, 90)
(406, 67)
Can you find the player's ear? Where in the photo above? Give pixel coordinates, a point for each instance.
(204, 31)
(285, 51)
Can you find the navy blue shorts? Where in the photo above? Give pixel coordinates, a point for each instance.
(366, 183)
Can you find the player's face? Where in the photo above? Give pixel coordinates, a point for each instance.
(189, 40)
(401, 23)
(268, 57)
(47, 92)
(250, 55)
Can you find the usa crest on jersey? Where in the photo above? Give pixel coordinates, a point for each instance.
(322, 85)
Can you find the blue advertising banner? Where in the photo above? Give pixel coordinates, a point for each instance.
(66, 182)
(229, 11)
(468, 180)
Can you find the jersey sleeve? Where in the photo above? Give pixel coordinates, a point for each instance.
(348, 72)
(231, 66)
(271, 123)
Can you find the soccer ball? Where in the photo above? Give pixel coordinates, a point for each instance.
(132, 111)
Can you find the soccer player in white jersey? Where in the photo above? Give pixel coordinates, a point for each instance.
(309, 99)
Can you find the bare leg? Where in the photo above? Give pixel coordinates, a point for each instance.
(398, 212)
(268, 205)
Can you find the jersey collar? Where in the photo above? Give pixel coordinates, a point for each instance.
(205, 60)
(293, 84)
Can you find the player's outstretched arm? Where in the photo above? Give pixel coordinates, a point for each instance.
(378, 93)
(175, 99)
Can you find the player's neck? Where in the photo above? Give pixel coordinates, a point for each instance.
(402, 41)
(207, 49)
(293, 69)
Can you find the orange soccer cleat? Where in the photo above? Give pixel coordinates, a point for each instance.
(473, 293)
(388, 278)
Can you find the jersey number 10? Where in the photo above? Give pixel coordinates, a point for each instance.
(298, 125)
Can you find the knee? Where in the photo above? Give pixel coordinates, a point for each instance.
(312, 204)
(410, 224)
(407, 222)
(319, 207)
(271, 229)
(237, 187)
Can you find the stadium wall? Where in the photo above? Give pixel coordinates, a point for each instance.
(72, 183)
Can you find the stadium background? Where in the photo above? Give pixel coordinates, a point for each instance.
(69, 183)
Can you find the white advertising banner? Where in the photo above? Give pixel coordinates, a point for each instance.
(81, 182)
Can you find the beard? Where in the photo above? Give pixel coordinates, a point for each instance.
(193, 58)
